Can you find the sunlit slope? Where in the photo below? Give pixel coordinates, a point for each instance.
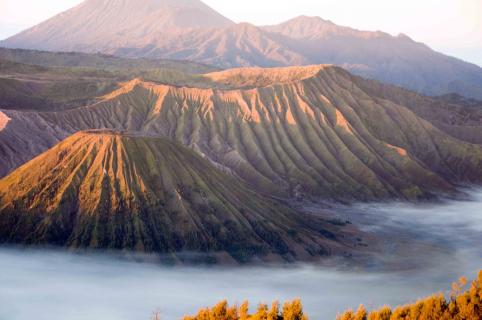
(303, 130)
(109, 190)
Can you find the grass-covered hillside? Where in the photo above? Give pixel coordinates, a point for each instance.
(46, 81)
(98, 61)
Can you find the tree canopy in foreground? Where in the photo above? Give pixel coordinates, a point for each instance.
(464, 303)
(222, 311)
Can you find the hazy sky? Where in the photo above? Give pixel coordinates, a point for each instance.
(450, 26)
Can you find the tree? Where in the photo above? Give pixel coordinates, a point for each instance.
(243, 311)
(273, 313)
(347, 315)
(293, 311)
(462, 305)
(222, 311)
(261, 313)
(361, 313)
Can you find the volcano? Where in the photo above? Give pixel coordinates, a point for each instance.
(111, 190)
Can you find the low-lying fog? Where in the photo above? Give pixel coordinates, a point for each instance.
(52, 285)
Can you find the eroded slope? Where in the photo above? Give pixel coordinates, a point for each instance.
(313, 131)
(108, 190)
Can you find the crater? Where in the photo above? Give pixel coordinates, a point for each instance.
(263, 77)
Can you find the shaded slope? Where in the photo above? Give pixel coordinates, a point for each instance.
(102, 189)
(96, 60)
(238, 45)
(311, 130)
(66, 80)
(453, 114)
(24, 86)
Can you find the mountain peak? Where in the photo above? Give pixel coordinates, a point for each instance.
(305, 27)
(112, 189)
(149, 5)
(404, 36)
(97, 22)
(306, 18)
(190, 30)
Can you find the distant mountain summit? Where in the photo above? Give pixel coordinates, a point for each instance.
(190, 30)
(306, 27)
(378, 55)
(96, 25)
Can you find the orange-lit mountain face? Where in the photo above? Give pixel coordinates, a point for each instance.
(189, 30)
(314, 130)
(112, 190)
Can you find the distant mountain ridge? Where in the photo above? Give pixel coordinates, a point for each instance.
(190, 30)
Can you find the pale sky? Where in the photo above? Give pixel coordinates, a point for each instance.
(453, 27)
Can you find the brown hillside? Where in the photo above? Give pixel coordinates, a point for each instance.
(313, 130)
(107, 190)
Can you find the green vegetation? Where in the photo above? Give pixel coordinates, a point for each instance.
(222, 311)
(58, 65)
(47, 81)
(98, 61)
(461, 305)
(35, 94)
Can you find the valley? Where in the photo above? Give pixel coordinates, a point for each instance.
(108, 287)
